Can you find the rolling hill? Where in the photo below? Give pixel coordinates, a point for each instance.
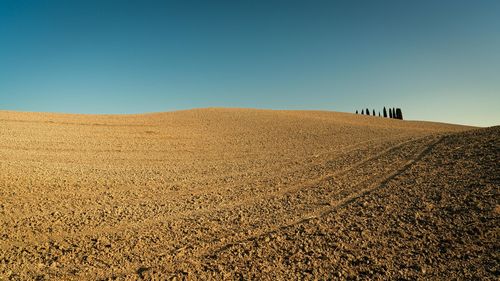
(222, 193)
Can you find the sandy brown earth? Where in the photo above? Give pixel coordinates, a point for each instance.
(246, 194)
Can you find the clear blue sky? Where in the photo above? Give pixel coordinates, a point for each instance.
(437, 60)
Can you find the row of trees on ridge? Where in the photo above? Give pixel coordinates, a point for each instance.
(394, 113)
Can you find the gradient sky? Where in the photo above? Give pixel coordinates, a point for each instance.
(438, 59)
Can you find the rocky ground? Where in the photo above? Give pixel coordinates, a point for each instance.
(246, 194)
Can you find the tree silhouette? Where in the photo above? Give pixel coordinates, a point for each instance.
(399, 114)
(394, 113)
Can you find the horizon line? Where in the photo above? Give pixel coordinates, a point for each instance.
(225, 107)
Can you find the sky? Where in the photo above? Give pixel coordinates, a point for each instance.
(437, 60)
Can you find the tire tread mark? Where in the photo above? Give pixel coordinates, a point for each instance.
(321, 212)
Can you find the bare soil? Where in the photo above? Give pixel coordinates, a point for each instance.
(246, 194)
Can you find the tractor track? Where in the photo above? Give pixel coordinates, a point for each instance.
(193, 249)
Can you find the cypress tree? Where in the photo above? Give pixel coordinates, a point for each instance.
(362, 111)
(367, 112)
(390, 113)
(373, 113)
(379, 114)
(356, 111)
(385, 112)
(393, 113)
(399, 114)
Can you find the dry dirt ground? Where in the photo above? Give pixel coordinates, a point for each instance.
(246, 194)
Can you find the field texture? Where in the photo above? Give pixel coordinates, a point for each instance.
(246, 194)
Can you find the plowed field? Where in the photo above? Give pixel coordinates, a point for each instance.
(246, 194)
